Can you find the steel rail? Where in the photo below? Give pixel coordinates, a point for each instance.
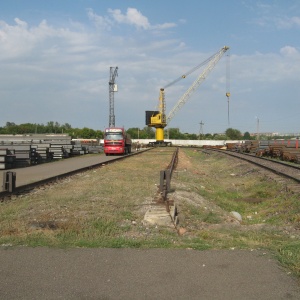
(174, 162)
(165, 179)
(261, 162)
(273, 160)
(53, 179)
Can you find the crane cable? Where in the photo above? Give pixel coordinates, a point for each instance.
(191, 71)
(228, 84)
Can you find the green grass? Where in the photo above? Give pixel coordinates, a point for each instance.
(105, 208)
(267, 209)
(289, 255)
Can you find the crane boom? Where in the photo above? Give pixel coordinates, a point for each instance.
(158, 118)
(213, 61)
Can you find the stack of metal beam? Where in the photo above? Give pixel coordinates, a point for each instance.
(60, 145)
(34, 149)
(7, 159)
(22, 154)
(95, 149)
(78, 149)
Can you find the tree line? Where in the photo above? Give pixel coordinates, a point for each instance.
(50, 128)
(175, 134)
(135, 133)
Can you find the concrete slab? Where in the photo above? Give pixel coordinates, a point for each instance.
(158, 215)
(43, 273)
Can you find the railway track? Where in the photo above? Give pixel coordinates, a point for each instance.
(280, 170)
(49, 178)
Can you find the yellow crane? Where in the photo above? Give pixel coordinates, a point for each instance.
(158, 118)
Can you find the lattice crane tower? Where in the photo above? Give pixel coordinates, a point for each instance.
(112, 89)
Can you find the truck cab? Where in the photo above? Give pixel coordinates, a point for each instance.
(116, 141)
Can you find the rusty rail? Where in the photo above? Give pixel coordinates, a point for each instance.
(9, 187)
(281, 169)
(166, 176)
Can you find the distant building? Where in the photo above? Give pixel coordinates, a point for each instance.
(274, 134)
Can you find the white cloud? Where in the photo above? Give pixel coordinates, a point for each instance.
(15, 40)
(164, 26)
(288, 22)
(276, 16)
(289, 51)
(21, 23)
(100, 22)
(132, 17)
(267, 69)
(68, 66)
(137, 19)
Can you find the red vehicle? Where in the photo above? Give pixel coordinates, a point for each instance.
(116, 141)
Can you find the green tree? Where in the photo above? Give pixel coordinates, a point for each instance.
(50, 127)
(10, 124)
(173, 133)
(219, 137)
(233, 134)
(99, 134)
(11, 128)
(87, 133)
(147, 133)
(193, 136)
(247, 136)
(134, 132)
(67, 126)
(26, 128)
(208, 136)
(57, 128)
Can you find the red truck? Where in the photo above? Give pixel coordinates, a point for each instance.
(116, 141)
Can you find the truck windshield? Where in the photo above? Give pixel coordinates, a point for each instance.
(113, 136)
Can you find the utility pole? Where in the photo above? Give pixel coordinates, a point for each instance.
(112, 89)
(257, 129)
(201, 130)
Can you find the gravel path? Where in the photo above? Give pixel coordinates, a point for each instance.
(39, 172)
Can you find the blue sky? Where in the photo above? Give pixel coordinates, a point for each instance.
(56, 56)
